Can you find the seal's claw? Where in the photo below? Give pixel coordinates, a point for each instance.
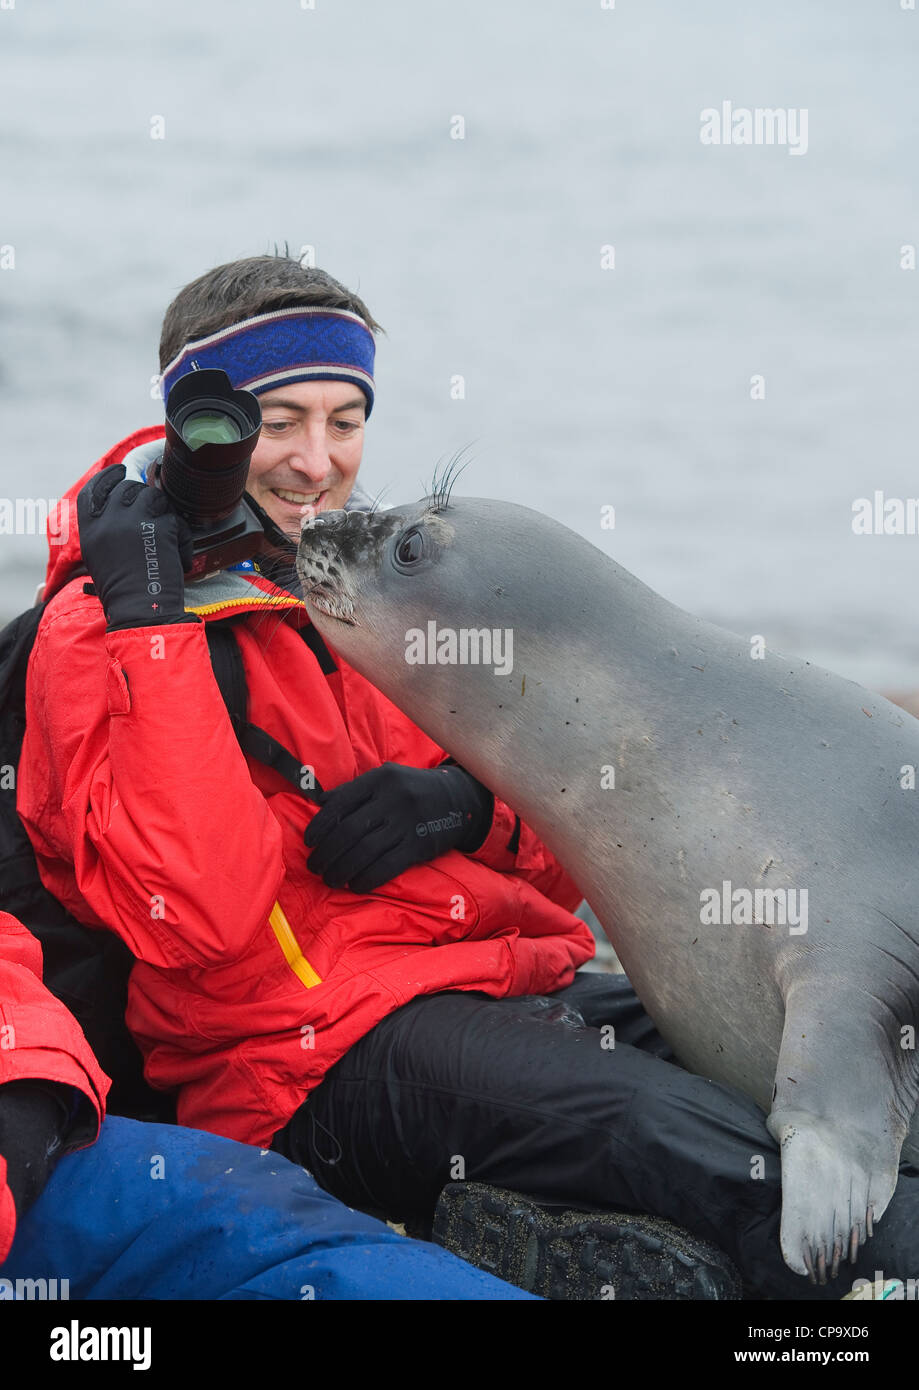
(809, 1262)
(821, 1265)
(837, 1256)
(869, 1220)
(853, 1245)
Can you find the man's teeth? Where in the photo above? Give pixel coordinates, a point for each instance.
(300, 499)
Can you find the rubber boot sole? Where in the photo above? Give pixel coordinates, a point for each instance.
(571, 1255)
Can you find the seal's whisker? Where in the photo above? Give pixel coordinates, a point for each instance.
(265, 617)
(443, 483)
(377, 500)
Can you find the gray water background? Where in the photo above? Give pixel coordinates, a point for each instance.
(330, 127)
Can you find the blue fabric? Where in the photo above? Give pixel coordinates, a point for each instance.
(223, 1221)
(287, 345)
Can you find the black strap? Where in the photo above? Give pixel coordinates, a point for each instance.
(227, 662)
(265, 749)
(230, 675)
(313, 640)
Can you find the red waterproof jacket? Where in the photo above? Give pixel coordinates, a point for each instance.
(253, 977)
(40, 1041)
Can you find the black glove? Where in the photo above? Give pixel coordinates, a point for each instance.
(372, 828)
(34, 1122)
(137, 549)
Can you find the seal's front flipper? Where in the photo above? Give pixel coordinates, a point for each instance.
(838, 1117)
(836, 1182)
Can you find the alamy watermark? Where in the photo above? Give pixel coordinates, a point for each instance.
(763, 125)
(82, 1343)
(885, 516)
(44, 1290)
(729, 906)
(35, 516)
(885, 1288)
(465, 646)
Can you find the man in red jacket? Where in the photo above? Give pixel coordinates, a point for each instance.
(392, 1011)
(147, 818)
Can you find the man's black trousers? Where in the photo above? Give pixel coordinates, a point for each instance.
(568, 1098)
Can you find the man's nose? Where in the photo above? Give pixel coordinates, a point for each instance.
(310, 456)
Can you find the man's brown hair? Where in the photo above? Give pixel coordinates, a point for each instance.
(241, 289)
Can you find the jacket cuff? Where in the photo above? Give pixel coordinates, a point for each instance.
(47, 1044)
(146, 623)
(49, 1064)
(499, 848)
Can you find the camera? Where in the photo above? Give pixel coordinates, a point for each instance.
(211, 433)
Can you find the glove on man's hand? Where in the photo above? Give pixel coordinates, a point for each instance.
(34, 1122)
(137, 548)
(381, 823)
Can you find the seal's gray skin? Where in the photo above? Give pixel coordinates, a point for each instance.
(767, 773)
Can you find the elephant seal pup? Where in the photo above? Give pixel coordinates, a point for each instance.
(746, 830)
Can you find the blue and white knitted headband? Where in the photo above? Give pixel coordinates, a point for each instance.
(270, 350)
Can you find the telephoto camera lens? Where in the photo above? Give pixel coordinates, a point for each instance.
(211, 433)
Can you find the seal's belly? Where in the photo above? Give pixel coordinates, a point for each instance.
(711, 996)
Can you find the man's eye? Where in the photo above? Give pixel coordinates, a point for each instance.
(275, 426)
(347, 426)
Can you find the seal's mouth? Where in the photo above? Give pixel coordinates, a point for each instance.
(324, 597)
(317, 565)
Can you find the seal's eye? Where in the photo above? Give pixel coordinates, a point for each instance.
(410, 549)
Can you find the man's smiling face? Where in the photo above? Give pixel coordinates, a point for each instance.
(309, 450)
